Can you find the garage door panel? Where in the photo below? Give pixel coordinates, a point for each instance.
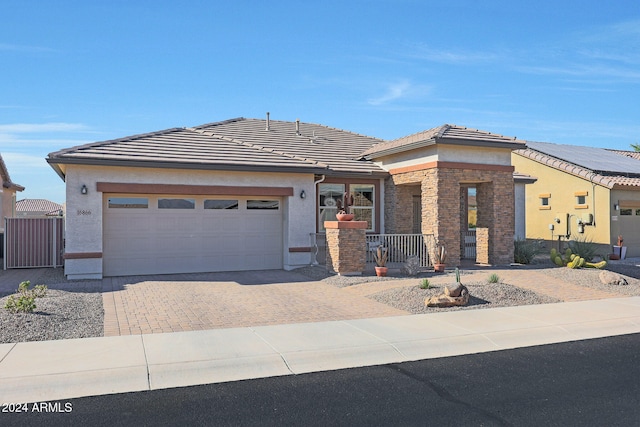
(163, 241)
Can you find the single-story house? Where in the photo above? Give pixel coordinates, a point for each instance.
(582, 193)
(38, 208)
(246, 194)
(8, 190)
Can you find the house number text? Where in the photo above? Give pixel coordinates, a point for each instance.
(84, 212)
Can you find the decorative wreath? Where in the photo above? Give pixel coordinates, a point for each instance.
(328, 201)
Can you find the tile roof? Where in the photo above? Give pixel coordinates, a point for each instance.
(445, 134)
(631, 154)
(37, 205)
(598, 160)
(237, 144)
(609, 180)
(6, 179)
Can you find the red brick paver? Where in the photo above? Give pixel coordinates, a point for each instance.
(153, 305)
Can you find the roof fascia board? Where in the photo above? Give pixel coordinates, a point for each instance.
(481, 143)
(400, 149)
(172, 165)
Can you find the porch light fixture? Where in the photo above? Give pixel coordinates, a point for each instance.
(616, 207)
(303, 194)
(83, 189)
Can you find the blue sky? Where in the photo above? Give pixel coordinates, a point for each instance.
(74, 72)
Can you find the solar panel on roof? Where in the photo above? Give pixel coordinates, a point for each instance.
(596, 159)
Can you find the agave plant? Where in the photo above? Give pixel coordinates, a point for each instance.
(380, 256)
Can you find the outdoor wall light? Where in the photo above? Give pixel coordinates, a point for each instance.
(303, 194)
(616, 207)
(83, 189)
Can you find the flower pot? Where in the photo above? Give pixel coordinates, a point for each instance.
(439, 268)
(381, 271)
(344, 217)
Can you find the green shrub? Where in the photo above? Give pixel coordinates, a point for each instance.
(526, 250)
(25, 300)
(584, 247)
(425, 284)
(494, 278)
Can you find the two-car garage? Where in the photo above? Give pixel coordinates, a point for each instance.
(162, 234)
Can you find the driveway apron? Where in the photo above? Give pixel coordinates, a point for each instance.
(174, 303)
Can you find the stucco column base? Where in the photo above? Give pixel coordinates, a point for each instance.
(346, 246)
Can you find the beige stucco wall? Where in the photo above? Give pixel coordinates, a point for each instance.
(562, 187)
(84, 212)
(626, 226)
(447, 153)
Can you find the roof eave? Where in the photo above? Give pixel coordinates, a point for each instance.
(172, 165)
(482, 143)
(399, 149)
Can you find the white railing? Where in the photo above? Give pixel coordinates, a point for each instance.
(401, 246)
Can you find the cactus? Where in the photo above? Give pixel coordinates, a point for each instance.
(572, 260)
(381, 256)
(598, 265)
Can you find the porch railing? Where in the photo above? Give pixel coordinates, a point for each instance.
(400, 247)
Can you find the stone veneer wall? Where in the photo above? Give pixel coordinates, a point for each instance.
(346, 246)
(482, 245)
(441, 210)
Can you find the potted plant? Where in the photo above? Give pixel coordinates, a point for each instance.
(440, 257)
(343, 213)
(380, 257)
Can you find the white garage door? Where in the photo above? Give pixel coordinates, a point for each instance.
(150, 234)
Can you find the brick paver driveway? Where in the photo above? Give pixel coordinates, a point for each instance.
(172, 303)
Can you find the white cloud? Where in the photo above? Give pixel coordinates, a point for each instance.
(402, 89)
(20, 161)
(42, 127)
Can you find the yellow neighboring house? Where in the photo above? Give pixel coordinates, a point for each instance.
(8, 191)
(582, 193)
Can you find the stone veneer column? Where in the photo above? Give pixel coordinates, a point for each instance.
(346, 246)
(482, 245)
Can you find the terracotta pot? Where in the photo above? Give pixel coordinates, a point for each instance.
(344, 217)
(381, 271)
(439, 268)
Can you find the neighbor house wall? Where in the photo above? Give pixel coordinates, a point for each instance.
(562, 188)
(627, 226)
(84, 217)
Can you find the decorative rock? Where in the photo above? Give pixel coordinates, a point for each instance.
(454, 291)
(449, 301)
(611, 278)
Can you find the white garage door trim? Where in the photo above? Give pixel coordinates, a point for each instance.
(162, 234)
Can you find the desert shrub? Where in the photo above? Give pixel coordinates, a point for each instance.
(411, 266)
(584, 247)
(425, 284)
(526, 250)
(494, 278)
(25, 300)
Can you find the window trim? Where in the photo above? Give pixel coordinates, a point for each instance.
(347, 182)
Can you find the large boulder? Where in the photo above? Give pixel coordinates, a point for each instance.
(445, 300)
(611, 278)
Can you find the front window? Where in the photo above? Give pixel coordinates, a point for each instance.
(363, 203)
(331, 198)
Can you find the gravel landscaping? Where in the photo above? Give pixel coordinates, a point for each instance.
(69, 310)
(74, 309)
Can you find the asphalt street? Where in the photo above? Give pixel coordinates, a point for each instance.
(584, 383)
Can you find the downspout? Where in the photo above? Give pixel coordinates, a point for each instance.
(593, 197)
(314, 242)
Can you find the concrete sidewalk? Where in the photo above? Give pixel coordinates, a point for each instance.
(51, 370)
